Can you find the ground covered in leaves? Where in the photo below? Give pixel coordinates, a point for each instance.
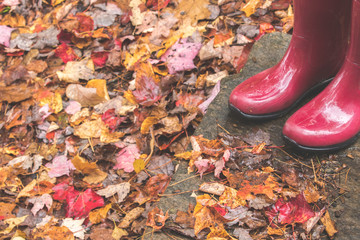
(98, 97)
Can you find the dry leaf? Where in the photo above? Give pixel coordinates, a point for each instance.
(91, 170)
(329, 224)
(75, 226)
(74, 71)
(118, 233)
(97, 215)
(85, 96)
(122, 190)
(130, 217)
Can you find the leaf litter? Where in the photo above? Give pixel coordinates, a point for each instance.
(99, 97)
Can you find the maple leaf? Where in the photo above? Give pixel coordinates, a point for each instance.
(66, 53)
(147, 91)
(111, 120)
(296, 210)
(181, 55)
(99, 58)
(40, 202)
(126, 157)
(156, 218)
(5, 34)
(79, 204)
(203, 165)
(60, 166)
(75, 226)
(157, 4)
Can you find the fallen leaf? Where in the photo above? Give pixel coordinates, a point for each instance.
(12, 222)
(130, 217)
(156, 218)
(180, 56)
(118, 233)
(74, 71)
(251, 7)
(5, 33)
(66, 53)
(122, 190)
(97, 215)
(60, 166)
(75, 226)
(126, 157)
(91, 170)
(5, 210)
(147, 124)
(40, 202)
(329, 224)
(84, 95)
(27, 162)
(296, 210)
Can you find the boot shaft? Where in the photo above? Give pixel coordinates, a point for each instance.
(353, 54)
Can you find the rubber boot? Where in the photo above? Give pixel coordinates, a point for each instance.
(314, 56)
(331, 120)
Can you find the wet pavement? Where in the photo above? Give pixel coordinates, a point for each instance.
(265, 53)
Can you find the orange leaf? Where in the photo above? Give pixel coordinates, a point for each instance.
(156, 218)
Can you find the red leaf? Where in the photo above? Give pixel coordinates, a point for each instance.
(99, 58)
(111, 120)
(66, 53)
(263, 29)
(86, 23)
(296, 210)
(64, 37)
(61, 190)
(147, 91)
(80, 205)
(157, 4)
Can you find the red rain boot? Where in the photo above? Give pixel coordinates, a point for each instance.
(315, 54)
(331, 120)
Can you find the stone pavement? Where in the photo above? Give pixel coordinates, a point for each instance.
(265, 53)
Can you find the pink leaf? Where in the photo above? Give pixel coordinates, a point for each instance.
(181, 55)
(220, 164)
(73, 107)
(40, 202)
(147, 91)
(214, 92)
(60, 166)
(126, 157)
(202, 165)
(5, 34)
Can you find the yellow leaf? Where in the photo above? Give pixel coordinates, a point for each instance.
(129, 96)
(108, 137)
(229, 198)
(194, 10)
(91, 170)
(54, 101)
(276, 231)
(141, 53)
(130, 217)
(118, 233)
(90, 129)
(139, 165)
(168, 43)
(329, 224)
(100, 85)
(13, 222)
(250, 7)
(184, 155)
(56, 2)
(97, 215)
(147, 124)
(13, 20)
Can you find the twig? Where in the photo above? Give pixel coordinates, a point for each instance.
(223, 129)
(312, 163)
(294, 158)
(174, 194)
(188, 179)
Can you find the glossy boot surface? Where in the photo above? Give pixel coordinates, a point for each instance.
(315, 54)
(331, 120)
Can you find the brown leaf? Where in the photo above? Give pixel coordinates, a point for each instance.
(329, 224)
(156, 218)
(97, 215)
(130, 217)
(15, 93)
(91, 170)
(85, 96)
(6, 209)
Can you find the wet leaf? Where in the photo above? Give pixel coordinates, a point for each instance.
(91, 170)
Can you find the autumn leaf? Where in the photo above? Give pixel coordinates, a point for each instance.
(126, 157)
(130, 217)
(5, 210)
(66, 53)
(74, 71)
(296, 210)
(5, 34)
(97, 215)
(40, 202)
(156, 218)
(75, 226)
(251, 7)
(60, 166)
(91, 170)
(181, 55)
(122, 190)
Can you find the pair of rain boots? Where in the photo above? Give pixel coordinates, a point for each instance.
(324, 49)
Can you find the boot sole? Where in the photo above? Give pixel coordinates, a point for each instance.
(322, 149)
(269, 116)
